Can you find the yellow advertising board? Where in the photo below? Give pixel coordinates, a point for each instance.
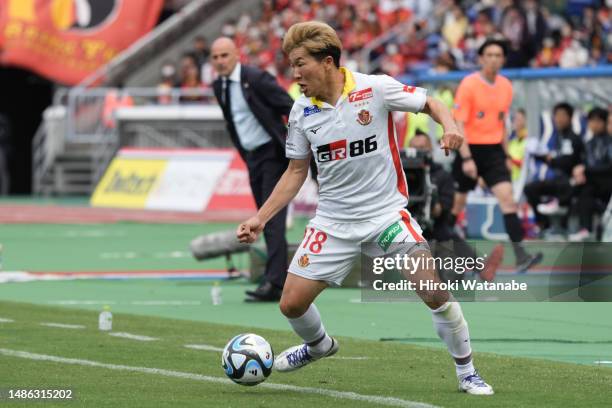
(128, 182)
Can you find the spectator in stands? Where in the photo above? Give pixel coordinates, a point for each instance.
(516, 143)
(514, 29)
(253, 105)
(190, 83)
(593, 177)
(455, 26)
(167, 83)
(115, 98)
(574, 56)
(200, 50)
(549, 55)
(566, 154)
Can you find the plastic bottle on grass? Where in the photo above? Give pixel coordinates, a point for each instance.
(105, 321)
(215, 294)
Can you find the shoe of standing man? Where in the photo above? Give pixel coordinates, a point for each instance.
(266, 292)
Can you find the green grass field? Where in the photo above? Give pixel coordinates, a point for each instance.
(164, 373)
(534, 354)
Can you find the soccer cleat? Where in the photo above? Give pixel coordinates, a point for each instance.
(298, 356)
(475, 385)
(527, 262)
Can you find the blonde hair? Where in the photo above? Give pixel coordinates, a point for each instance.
(319, 40)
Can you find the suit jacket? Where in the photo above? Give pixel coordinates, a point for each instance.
(268, 102)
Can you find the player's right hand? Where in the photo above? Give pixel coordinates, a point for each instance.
(469, 169)
(249, 230)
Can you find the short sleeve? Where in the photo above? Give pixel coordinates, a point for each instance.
(400, 97)
(297, 145)
(463, 102)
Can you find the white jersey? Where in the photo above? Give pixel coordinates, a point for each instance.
(355, 146)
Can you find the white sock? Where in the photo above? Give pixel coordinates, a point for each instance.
(310, 328)
(453, 329)
(465, 369)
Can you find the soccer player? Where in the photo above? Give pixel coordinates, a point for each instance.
(344, 119)
(482, 103)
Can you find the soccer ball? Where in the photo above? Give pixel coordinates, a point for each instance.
(247, 359)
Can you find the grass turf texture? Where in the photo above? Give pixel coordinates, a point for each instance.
(393, 370)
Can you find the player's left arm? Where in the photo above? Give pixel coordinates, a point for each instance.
(404, 98)
(452, 138)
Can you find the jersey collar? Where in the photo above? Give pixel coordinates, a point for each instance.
(349, 85)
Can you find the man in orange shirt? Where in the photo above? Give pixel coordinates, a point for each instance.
(482, 104)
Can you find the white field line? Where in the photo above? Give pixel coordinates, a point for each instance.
(62, 325)
(205, 347)
(5, 320)
(132, 336)
(603, 362)
(389, 401)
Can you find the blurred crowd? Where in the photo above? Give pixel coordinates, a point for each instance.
(415, 36)
(399, 37)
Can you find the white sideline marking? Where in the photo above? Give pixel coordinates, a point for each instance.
(63, 326)
(389, 401)
(132, 336)
(206, 347)
(3, 320)
(603, 362)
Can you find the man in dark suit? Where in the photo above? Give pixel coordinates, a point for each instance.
(253, 105)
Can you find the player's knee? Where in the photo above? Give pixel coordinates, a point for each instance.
(291, 309)
(433, 298)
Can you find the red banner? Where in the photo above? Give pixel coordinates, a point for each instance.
(66, 40)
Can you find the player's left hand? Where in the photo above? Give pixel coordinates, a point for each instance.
(451, 140)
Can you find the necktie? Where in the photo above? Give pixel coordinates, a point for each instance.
(225, 91)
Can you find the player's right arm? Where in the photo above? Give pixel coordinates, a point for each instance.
(284, 191)
(298, 151)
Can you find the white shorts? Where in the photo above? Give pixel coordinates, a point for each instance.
(329, 249)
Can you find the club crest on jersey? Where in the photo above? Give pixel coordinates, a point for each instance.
(361, 95)
(303, 261)
(364, 118)
(311, 110)
(409, 89)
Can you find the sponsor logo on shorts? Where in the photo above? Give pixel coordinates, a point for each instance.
(388, 235)
(303, 261)
(311, 110)
(361, 95)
